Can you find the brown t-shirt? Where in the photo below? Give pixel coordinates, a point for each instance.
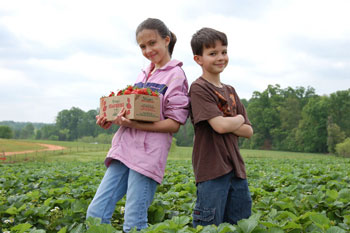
(215, 154)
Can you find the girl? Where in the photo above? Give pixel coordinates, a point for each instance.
(136, 161)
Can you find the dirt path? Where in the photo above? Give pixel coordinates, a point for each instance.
(49, 147)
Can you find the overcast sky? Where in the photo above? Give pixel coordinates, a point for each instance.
(59, 54)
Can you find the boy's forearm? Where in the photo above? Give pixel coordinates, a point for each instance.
(244, 131)
(226, 124)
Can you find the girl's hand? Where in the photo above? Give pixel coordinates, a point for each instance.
(121, 120)
(102, 122)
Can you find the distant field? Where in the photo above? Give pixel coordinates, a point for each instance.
(84, 152)
(74, 151)
(7, 145)
(186, 153)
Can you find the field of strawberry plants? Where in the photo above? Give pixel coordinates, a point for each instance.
(290, 195)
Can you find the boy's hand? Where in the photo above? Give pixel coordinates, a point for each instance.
(102, 122)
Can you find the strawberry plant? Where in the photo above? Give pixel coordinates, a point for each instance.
(289, 195)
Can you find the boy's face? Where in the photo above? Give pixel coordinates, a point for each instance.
(214, 60)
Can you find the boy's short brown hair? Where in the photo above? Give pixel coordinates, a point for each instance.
(206, 37)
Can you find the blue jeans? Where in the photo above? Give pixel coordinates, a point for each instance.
(224, 199)
(118, 181)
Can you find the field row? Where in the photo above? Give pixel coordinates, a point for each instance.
(290, 195)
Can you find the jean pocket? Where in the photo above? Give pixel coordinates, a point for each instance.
(203, 214)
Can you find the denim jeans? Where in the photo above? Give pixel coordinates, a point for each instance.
(118, 181)
(224, 199)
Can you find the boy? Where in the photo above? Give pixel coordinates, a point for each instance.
(219, 118)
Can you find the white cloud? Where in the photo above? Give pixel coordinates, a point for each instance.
(60, 54)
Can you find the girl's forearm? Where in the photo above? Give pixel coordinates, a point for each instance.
(163, 126)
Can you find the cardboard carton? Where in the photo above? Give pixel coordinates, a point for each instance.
(138, 107)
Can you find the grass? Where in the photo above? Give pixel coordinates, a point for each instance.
(8, 145)
(281, 154)
(85, 152)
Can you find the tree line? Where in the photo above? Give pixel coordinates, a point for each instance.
(289, 119)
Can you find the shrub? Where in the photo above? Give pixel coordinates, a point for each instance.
(87, 139)
(6, 132)
(104, 138)
(343, 149)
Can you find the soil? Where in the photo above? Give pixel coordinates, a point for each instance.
(49, 147)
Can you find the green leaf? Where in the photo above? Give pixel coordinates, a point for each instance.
(347, 219)
(209, 229)
(248, 225)
(91, 221)
(12, 210)
(47, 201)
(158, 214)
(20, 228)
(37, 231)
(275, 230)
(333, 194)
(335, 229)
(78, 229)
(292, 225)
(42, 210)
(226, 227)
(181, 220)
(286, 214)
(319, 219)
(104, 228)
(63, 230)
(78, 206)
(344, 195)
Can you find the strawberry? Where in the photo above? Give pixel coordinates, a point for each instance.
(130, 88)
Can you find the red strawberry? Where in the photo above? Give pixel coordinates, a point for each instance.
(130, 88)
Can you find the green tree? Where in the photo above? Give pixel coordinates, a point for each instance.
(343, 149)
(335, 135)
(27, 132)
(38, 134)
(264, 116)
(70, 119)
(339, 110)
(6, 132)
(63, 135)
(49, 132)
(311, 135)
(184, 137)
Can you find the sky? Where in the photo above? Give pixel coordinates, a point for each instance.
(59, 54)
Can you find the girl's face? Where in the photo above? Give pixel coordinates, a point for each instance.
(154, 47)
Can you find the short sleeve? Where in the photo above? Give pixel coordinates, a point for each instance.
(203, 105)
(176, 103)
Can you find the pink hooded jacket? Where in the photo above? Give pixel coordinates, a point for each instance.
(143, 151)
